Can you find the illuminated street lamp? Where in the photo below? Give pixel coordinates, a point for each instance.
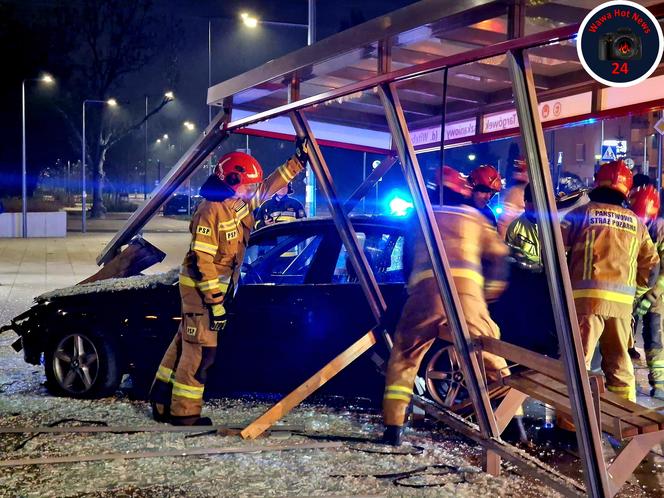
(189, 125)
(48, 79)
(249, 20)
(84, 195)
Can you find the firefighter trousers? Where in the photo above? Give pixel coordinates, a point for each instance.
(614, 336)
(180, 380)
(652, 343)
(422, 320)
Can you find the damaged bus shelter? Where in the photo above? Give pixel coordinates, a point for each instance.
(466, 71)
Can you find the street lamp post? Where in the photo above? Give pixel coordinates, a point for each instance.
(84, 194)
(252, 22)
(47, 78)
(169, 96)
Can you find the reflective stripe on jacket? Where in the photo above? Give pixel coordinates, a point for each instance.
(219, 236)
(610, 254)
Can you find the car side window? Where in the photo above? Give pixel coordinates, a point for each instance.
(284, 260)
(384, 252)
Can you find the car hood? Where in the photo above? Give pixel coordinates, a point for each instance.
(114, 285)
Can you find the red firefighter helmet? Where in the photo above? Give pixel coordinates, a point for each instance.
(615, 175)
(520, 171)
(455, 181)
(645, 202)
(486, 176)
(238, 168)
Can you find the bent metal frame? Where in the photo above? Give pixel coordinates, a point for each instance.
(293, 69)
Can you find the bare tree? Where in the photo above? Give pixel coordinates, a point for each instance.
(103, 42)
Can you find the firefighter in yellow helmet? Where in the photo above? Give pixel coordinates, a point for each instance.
(478, 261)
(220, 230)
(610, 256)
(523, 235)
(645, 203)
(513, 203)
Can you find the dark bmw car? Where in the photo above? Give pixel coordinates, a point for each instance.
(298, 306)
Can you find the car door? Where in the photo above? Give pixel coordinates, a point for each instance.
(337, 311)
(257, 348)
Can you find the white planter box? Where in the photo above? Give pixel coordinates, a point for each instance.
(39, 224)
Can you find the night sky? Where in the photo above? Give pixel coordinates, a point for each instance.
(234, 50)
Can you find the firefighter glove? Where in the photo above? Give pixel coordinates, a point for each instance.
(302, 151)
(217, 317)
(645, 304)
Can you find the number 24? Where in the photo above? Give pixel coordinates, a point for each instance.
(619, 68)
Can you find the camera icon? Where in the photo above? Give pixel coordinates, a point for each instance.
(623, 45)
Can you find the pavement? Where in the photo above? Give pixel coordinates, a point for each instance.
(29, 267)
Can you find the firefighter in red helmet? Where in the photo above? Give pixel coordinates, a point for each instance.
(220, 230)
(478, 263)
(645, 203)
(485, 182)
(610, 256)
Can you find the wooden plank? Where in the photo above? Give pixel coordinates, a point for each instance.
(618, 411)
(167, 453)
(549, 366)
(561, 402)
(630, 457)
(635, 408)
(270, 417)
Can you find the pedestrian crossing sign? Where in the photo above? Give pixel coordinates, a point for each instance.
(608, 153)
(659, 126)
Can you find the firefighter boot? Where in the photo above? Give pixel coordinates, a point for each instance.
(159, 412)
(392, 435)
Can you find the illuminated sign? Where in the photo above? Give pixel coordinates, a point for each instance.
(456, 129)
(549, 110)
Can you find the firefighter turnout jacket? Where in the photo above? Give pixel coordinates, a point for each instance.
(652, 321)
(478, 263)
(220, 230)
(610, 257)
(277, 210)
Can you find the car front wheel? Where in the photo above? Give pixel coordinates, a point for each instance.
(82, 365)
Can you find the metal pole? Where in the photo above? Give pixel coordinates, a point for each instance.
(443, 115)
(470, 366)
(209, 65)
(311, 26)
(560, 287)
(365, 275)
(310, 178)
(660, 152)
(83, 192)
(24, 170)
(145, 165)
(644, 165)
(364, 177)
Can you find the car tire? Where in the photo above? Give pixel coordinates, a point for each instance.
(82, 364)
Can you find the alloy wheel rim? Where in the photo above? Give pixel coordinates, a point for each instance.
(76, 363)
